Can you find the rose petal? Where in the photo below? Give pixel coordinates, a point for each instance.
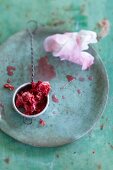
(70, 51)
(86, 60)
(55, 42)
(70, 45)
(86, 38)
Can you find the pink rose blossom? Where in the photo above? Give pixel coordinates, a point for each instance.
(71, 46)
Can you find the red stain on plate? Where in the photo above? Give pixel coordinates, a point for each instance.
(78, 91)
(42, 122)
(81, 79)
(90, 78)
(9, 86)
(55, 99)
(44, 70)
(70, 78)
(10, 70)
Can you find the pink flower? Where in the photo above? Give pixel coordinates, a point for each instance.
(70, 46)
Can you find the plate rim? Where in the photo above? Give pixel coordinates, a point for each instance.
(99, 114)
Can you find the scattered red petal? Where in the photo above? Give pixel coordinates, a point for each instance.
(105, 27)
(90, 78)
(42, 122)
(9, 86)
(78, 91)
(10, 70)
(55, 99)
(81, 78)
(70, 78)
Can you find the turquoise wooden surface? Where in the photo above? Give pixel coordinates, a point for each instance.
(94, 151)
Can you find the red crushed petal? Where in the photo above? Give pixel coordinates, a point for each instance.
(42, 122)
(29, 109)
(44, 87)
(19, 101)
(70, 78)
(55, 99)
(10, 70)
(9, 86)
